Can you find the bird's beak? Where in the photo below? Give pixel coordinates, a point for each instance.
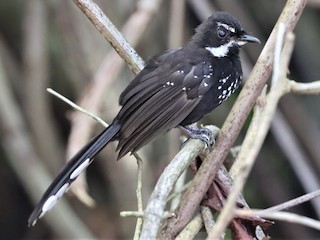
(248, 38)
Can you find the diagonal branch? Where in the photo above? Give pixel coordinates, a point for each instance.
(111, 33)
(233, 123)
(255, 137)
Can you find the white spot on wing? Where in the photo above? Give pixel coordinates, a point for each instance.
(51, 201)
(62, 190)
(40, 216)
(80, 169)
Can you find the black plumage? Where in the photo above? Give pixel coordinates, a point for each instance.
(176, 88)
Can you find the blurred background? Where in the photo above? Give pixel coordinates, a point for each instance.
(52, 44)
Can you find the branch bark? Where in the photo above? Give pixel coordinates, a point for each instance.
(233, 124)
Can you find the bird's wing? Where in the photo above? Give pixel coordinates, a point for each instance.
(159, 99)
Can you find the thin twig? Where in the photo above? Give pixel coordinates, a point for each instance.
(283, 216)
(77, 107)
(304, 88)
(137, 231)
(294, 202)
(241, 159)
(84, 197)
(131, 214)
(137, 214)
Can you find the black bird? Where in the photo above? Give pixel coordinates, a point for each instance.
(176, 88)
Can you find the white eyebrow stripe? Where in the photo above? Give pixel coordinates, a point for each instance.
(226, 26)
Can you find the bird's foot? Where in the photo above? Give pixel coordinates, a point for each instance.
(204, 134)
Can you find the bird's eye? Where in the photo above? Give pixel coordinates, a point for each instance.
(222, 33)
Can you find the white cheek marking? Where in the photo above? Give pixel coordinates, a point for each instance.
(51, 201)
(80, 169)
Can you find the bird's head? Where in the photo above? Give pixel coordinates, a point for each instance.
(222, 35)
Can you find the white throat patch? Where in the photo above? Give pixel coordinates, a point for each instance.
(220, 51)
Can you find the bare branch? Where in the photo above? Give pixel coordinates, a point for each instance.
(137, 231)
(155, 208)
(233, 123)
(294, 202)
(111, 33)
(283, 216)
(256, 134)
(191, 230)
(207, 217)
(304, 88)
(77, 107)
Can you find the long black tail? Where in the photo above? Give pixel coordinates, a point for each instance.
(71, 171)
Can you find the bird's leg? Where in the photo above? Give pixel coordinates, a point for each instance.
(203, 134)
